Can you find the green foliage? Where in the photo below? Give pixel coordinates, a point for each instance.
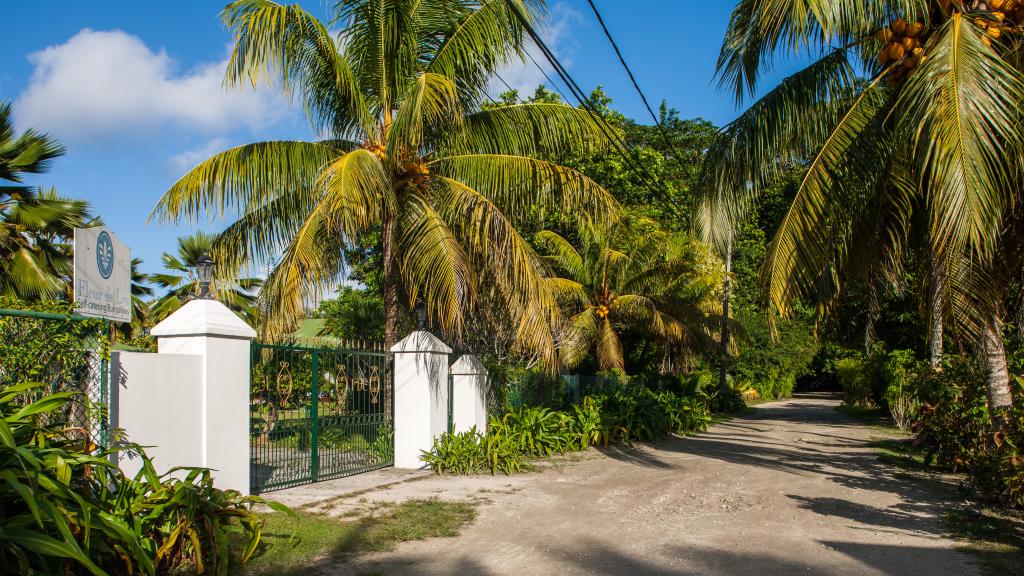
(630, 413)
(354, 313)
(471, 452)
(68, 511)
(901, 375)
(856, 387)
(536, 431)
(772, 367)
(36, 225)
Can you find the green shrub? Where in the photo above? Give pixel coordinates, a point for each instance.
(856, 386)
(537, 431)
(66, 511)
(901, 375)
(632, 413)
(471, 452)
(955, 431)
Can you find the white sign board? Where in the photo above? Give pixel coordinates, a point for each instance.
(103, 275)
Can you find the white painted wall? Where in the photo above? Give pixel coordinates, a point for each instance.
(190, 401)
(469, 394)
(421, 396)
(156, 399)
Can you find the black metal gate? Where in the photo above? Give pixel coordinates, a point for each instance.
(318, 413)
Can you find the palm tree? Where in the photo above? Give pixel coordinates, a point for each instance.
(933, 130)
(633, 277)
(29, 153)
(36, 225)
(182, 284)
(36, 232)
(404, 151)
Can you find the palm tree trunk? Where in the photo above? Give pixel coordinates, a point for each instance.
(936, 287)
(387, 241)
(997, 375)
(723, 352)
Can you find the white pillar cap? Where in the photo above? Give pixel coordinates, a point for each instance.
(468, 364)
(423, 342)
(203, 318)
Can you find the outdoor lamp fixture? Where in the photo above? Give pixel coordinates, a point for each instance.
(204, 269)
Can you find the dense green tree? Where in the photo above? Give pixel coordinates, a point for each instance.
(353, 314)
(405, 153)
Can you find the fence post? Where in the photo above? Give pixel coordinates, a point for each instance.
(211, 331)
(314, 414)
(420, 395)
(469, 394)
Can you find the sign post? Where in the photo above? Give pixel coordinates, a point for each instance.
(103, 275)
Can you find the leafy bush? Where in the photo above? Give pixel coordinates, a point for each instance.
(536, 431)
(769, 365)
(901, 375)
(66, 511)
(471, 452)
(633, 413)
(856, 386)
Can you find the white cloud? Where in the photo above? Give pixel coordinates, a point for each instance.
(557, 33)
(110, 82)
(181, 163)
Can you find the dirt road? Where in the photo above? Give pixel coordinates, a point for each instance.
(790, 489)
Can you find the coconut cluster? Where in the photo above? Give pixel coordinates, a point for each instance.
(1005, 14)
(603, 311)
(901, 44)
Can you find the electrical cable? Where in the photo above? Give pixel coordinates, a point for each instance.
(664, 133)
(581, 97)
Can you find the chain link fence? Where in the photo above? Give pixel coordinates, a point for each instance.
(62, 353)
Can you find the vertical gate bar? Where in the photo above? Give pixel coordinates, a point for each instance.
(314, 455)
(451, 417)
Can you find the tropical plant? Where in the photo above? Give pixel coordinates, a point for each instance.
(471, 452)
(922, 150)
(403, 153)
(632, 276)
(536, 431)
(67, 511)
(36, 230)
(182, 284)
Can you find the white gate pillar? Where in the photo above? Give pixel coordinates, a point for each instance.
(469, 394)
(421, 396)
(211, 331)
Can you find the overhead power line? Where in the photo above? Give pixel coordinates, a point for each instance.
(582, 98)
(661, 127)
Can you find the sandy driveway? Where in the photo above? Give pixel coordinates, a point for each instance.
(790, 489)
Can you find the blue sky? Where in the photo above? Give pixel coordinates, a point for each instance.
(134, 88)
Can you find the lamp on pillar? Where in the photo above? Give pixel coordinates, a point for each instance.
(204, 269)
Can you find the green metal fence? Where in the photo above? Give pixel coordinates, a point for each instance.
(65, 353)
(318, 413)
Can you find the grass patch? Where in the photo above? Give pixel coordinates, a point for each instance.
(901, 453)
(871, 415)
(994, 538)
(300, 544)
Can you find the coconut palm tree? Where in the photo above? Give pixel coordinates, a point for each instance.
(182, 284)
(636, 277)
(403, 150)
(36, 231)
(931, 129)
